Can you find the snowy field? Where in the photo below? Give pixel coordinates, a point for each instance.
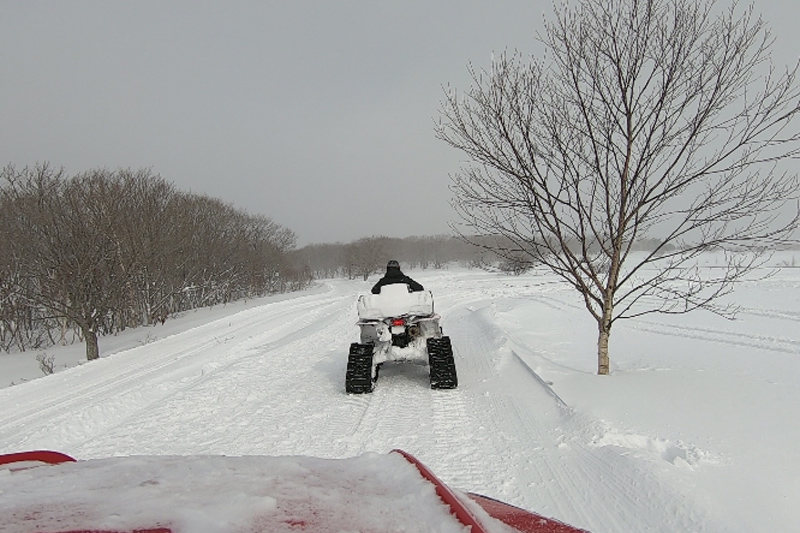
(696, 430)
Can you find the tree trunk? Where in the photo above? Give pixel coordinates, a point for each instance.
(92, 348)
(602, 351)
(604, 332)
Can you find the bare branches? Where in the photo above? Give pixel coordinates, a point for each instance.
(652, 119)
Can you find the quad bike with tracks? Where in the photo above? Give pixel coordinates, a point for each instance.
(398, 325)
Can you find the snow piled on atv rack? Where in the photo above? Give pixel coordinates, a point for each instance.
(215, 494)
(395, 300)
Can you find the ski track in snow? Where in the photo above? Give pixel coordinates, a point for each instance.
(717, 335)
(270, 380)
(749, 340)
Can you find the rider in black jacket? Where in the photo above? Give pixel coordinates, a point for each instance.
(395, 275)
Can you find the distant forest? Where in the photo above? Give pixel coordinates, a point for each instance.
(367, 256)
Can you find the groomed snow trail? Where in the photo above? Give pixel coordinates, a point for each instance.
(270, 381)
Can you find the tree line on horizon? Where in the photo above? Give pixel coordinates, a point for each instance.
(368, 255)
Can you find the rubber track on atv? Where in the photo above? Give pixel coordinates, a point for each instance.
(442, 364)
(358, 379)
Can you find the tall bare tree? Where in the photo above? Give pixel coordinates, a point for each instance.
(69, 264)
(657, 119)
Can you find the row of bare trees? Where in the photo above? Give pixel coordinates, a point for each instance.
(104, 250)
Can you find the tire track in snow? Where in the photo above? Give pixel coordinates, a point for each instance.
(74, 410)
(455, 418)
(748, 340)
(247, 414)
(396, 414)
(783, 314)
(734, 338)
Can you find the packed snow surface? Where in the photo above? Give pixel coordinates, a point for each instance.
(696, 429)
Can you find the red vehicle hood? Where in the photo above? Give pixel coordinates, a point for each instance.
(199, 494)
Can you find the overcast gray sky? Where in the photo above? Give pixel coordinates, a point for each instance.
(318, 114)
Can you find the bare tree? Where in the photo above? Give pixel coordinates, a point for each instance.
(366, 256)
(68, 264)
(653, 119)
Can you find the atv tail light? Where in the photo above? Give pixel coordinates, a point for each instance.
(398, 322)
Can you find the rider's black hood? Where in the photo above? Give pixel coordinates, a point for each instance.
(394, 272)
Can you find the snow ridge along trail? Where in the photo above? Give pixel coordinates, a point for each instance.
(270, 381)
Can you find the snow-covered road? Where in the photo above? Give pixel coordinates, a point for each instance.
(269, 380)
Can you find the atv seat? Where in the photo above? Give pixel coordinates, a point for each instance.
(395, 300)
